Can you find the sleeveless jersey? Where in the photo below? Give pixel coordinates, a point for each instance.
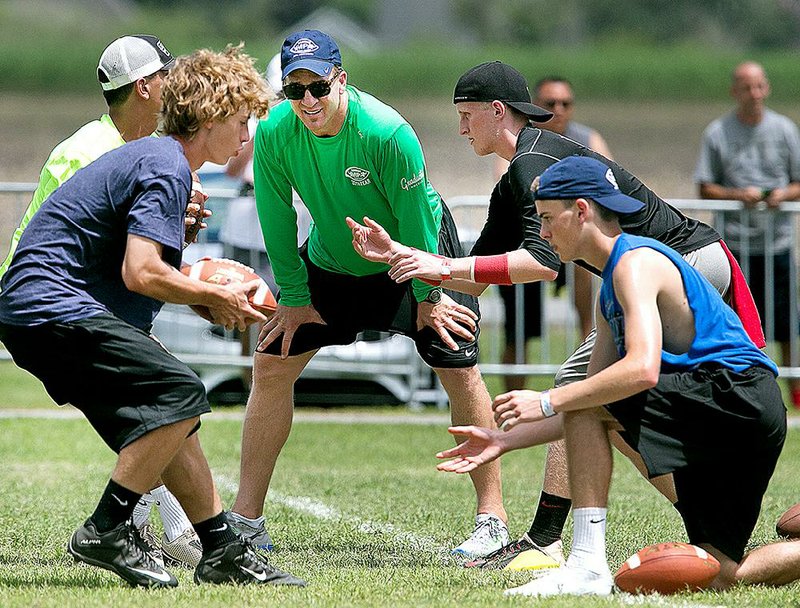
(719, 335)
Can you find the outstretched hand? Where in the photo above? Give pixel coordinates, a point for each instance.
(480, 445)
(372, 242)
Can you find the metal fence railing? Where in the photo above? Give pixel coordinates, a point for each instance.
(392, 362)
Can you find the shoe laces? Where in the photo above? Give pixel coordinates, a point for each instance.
(139, 548)
(490, 527)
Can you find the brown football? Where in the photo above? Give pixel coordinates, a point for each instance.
(788, 525)
(223, 272)
(667, 568)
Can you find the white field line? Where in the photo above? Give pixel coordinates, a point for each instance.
(320, 510)
(433, 419)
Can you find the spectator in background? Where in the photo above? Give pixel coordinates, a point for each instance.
(555, 94)
(131, 71)
(752, 154)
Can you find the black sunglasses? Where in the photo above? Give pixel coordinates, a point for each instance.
(552, 103)
(318, 89)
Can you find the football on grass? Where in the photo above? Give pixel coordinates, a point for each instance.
(667, 568)
(788, 525)
(222, 271)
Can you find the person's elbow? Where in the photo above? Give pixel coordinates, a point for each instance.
(136, 277)
(645, 375)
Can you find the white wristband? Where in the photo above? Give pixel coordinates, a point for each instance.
(472, 269)
(544, 403)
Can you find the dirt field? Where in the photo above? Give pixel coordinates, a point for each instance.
(657, 142)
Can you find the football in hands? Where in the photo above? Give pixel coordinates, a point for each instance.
(667, 568)
(222, 271)
(191, 231)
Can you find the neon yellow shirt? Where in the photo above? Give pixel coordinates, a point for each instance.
(373, 166)
(88, 143)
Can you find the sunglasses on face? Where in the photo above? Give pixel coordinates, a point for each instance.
(318, 89)
(552, 103)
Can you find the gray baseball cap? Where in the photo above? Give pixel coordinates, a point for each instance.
(130, 58)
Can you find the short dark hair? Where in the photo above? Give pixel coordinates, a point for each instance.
(116, 97)
(606, 214)
(547, 80)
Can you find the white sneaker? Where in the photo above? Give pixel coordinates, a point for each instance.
(490, 534)
(566, 581)
(185, 550)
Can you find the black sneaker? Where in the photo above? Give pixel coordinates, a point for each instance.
(238, 563)
(120, 550)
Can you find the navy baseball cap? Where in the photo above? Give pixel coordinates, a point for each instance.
(309, 50)
(584, 177)
(495, 80)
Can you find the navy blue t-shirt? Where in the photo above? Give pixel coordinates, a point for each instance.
(68, 265)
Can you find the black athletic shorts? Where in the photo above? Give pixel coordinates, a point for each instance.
(531, 310)
(720, 432)
(124, 382)
(351, 304)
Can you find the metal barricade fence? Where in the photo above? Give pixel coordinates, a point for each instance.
(392, 362)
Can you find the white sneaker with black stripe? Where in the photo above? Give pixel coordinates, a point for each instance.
(490, 534)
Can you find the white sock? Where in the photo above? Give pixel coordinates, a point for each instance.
(141, 512)
(589, 540)
(172, 514)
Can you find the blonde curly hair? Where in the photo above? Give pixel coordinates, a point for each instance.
(208, 86)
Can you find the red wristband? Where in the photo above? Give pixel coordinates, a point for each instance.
(492, 269)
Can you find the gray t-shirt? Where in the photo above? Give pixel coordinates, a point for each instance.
(766, 156)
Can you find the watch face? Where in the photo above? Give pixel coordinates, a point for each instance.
(434, 296)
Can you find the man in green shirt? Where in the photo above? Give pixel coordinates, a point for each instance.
(131, 72)
(347, 154)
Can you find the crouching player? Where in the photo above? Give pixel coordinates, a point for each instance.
(89, 275)
(672, 371)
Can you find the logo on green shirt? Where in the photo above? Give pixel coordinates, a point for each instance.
(407, 184)
(358, 176)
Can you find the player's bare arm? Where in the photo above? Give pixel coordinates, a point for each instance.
(639, 281)
(146, 273)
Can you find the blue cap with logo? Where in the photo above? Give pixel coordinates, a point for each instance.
(309, 50)
(584, 177)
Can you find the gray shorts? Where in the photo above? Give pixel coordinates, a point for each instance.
(710, 261)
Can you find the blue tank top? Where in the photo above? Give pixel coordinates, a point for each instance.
(719, 335)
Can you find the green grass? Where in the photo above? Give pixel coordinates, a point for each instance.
(376, 473)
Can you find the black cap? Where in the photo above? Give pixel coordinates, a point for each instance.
(495, 80)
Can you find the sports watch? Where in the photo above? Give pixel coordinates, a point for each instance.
(434, 296)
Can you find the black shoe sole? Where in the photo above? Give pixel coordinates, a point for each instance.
(123, 574)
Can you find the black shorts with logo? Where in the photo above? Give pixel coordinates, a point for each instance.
(123, 381)
(351, 304)
(720, 433)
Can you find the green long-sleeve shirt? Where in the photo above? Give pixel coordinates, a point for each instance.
(374, 166)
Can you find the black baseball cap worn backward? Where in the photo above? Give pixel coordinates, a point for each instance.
(495, 80)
